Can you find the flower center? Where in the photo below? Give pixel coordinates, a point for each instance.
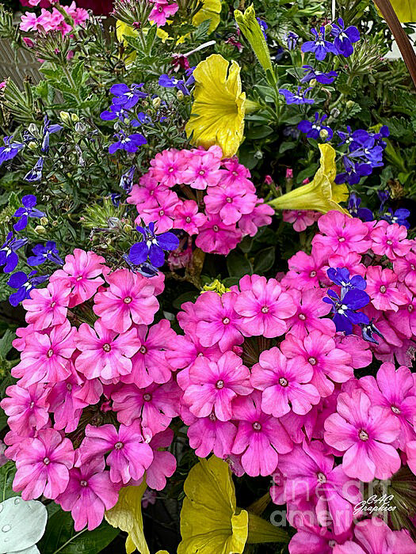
(389, 242)
(219, 384)
(31, 405)
(312, 273)
(395, 410)
(50, 353)
(142, 350)
(257, 426)
(321, 478)
(46, 461)
(84, 483)
(118, 445)
(229, 200)
(147, 397)
(106, 347)
(226, 320)
(383, 289)
(332, 544)
(265, 309)
(212, 417)
(171, 170)
(127, 300)
(215, 228)
(363, 435)
(284, 382)
(53, 304)
(410, 308)
(69, 386)
(202, 172)
(302, 317)
(312, 361)
(161, 213)
(235, 173)
(79, 278)
(412, 267)
(341, 239)
(188, 219)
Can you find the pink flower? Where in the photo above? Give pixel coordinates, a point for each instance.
(216, 237)
(357, 348)
(203, 168)
(89, 493)
(351, 261)
(374, 536)
(82, 270)
(318, 353)
(230, 202)
(188, 218)
(42, 465)
(364, 433)
(405, 269)
(130, 298)
(47, 307)
(259, 217)
(382, 289)
(404, 320)
(218, 322)
(285, 384)
(66, 407)
(341, 234)
(130, 456)
(259, 438)
(394, 389)
(236, 174)
(162, 213)
(104, 353)
(309, 313)
(144, 195)
(215, 384)
(306, 272)
(390, 240)
(27, 408)
(162, 11)
(167, 167)
(209, 434)
(163, 464)
(318, 539)
(264, 309)
(301, 219)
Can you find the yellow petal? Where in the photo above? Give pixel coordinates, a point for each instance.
(211, 9)
(405, 10)
(127, 516)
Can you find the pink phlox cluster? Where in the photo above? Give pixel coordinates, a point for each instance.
(161, 11)
(301, 219)
(54, 20)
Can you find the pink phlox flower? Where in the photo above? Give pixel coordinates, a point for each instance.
(318, 539)
(231, 202)
(144, 194)
(43, 465)
(260, 437)
(259, 217)
(22, 332)
(163, 464)
(167, 167)
(129, 299)
(129, 456)
(179, 258)
(188, 218)
(341, 234)
(405, 269)
(27, 408)
(82, 270)
(318, 353)
(285, 384)
(264, 309)
(404, 320)
(90, 392)
(352, 261)
(162, 214)
(217, 238)
(306, 272)
(382, 289)
(89, 494)
(390, 240)
(310, 312)
(214, 385)
(104, 353)
(48, 307)
(162, 11)
(203, 169)
(357, 348)
(66, 407)
(366, 434)
(188, 319)
(236, 174)
(301, 219)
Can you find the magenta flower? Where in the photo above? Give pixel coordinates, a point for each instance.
(162, 11)
(319, 540)
(209, 434)
(259, 217)
(301, 219)
(382, 289)
(66, 407)
(129, 298)
(89, 493)
(231, 202)
(259, 438)
(214, 385)
(188, 218)
(163, 464)
(216, 237)
(162, 213)
(47, 307)
(306, 272)
(310, 312)
(43, 465)
(404, 320)
(218, 322)
(364, 433)
(390, 240)
(144, 195)
(317, 352)
(341, 234)
(167, 167)
(264, 309)
(236, 174)
(130, 456)
(204, 168)
(405, 269)
(285, 384)
(104, 353)
(27, 408)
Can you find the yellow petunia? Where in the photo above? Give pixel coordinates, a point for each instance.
(219, 106)
(211, 9)
(322, 194)
(405, 10)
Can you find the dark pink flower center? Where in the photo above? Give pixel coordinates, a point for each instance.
(410, 308)
(127, 300)
(147, 397)
(412, 267)
(363, 435)
(312, 360)
(383, 289)
(31, 405)
(79, 277)
(171, 170)
(265, 309)
(83, 483)
(215, 228)
(46, 461)
(50, 353)
(302, 317)
(395, 410)
(235, 173)
(161, 212)
(226, 320)
(219, 384)
(321, 478)
(118, 445)
(106, 347)
(53, 304)
(257, 426)
(212, 417)
(143, 350)
(284, 382)
(69, 386)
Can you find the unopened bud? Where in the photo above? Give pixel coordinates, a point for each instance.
(74, 117)
(40, 230)
(65, 116)
(156, 102)
(323, 133)
(44, 221)
(127, 228)
(32, 145)
(180, 95)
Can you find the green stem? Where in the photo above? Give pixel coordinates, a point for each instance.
(69, 541)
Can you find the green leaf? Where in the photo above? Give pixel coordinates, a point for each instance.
(264, 260)
(306, 173)
(61, 538)
(7, 473)
(286, 146)
(238, 265)
(185, 297)
(259, 132)
(6, 343)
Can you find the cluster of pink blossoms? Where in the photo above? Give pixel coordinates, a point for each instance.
(53, 20)
(203, 195)
(163, 9)
(268, 383)
(95, 394)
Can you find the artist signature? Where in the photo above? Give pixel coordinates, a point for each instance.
(375, 504)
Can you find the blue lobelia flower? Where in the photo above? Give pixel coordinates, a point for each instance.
(296, 98)
(369, 331)
(10, 150)
(152, 247)
(146, 269)
(129, 143)
(341, 277)
(125, 96)
(354, 202)
(344, 309)
(399, 216)
(353, 171)
(320, 47)
(24, 284)
(126, 181)
(291, 40)
(118, 112)
(41, 252)
(48, 129)
(8, 256)
(28, 210)
(263, 26)
(314, 129)
(183, 85)
(344, 38)
(320, 76)
(383, 196)
(35, 174)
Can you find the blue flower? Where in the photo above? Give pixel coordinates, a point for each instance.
(181, 84)
(399, 216)
(354, 208)
(35, 174)
(369, 331)
(11, 149)
(8, 256)
(344, 309)
(383, 196)
(152, 246)
(344, 38)
(24, 284)
(126, 181)
(320, 76)
(320, 47)
(146, 269)
(41, 252)
(263, 26)
(341, 277)
(353, 171)
(314, 129)
(125, 96)
(118, 112)
(28, 210)
(129, 143)
(291, 40)
(48, 130)
(299, 98)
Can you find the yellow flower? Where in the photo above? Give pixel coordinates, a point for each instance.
(405, 10)
(210, 520)
(219, 105)
(322, 194)
(211, 9)
(215, 286)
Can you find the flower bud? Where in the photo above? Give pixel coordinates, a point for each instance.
(127, 228)
(323, 133)
(156, 102)
(40, 230)
(44, 221)
(74, 117)
(32, 145)
(179, 95)
(312, 83)
(65, 116)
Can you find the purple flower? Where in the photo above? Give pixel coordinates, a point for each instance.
(353, 171)
(168, 81)
(11, 149)
(314, 129)
(383, 196)
(8, 256)
(129, 143)
(344, 309)
(48, 130)
(299, 98)
(399, 216)
(146, 269)
(24, 284)
(118, 112)
(369, 331)
(354, 208)
(126, 181)
(320, 47)
(41, 252)
(320, 76)
(344, 38)
(125, 96)
(291, 40)
(152, 246)
(263, 26)
(341, 276)
(35, 174)
(28, 210)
